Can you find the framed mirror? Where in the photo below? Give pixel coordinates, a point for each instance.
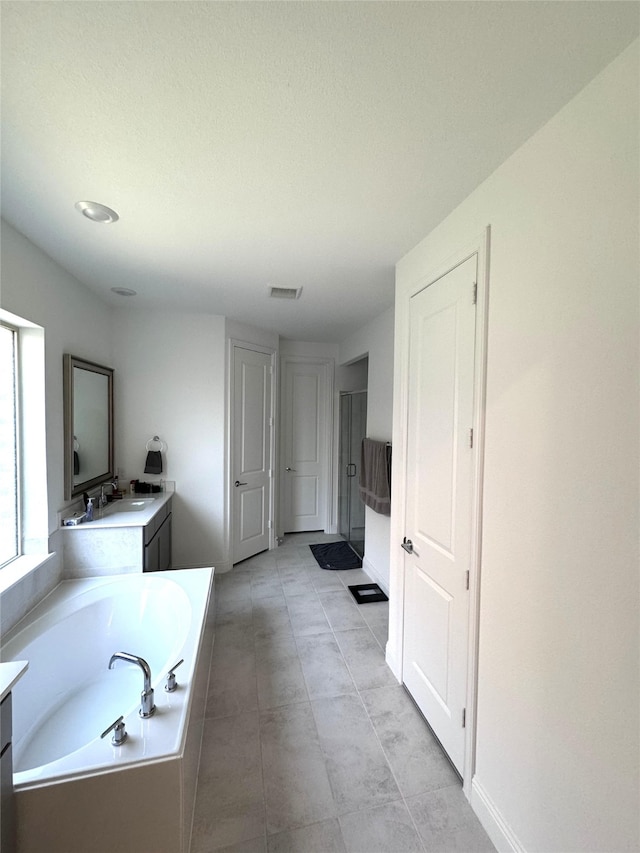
(88, 425)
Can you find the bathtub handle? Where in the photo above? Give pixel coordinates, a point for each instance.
(171, 684)
(119, 732)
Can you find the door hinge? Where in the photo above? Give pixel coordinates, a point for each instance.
(464, 718)
(467, 581)
(471, 437)
(271, 422)
(270, 473)
(269, 524)
(475, 293)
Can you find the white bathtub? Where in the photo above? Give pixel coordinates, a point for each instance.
(74, 790)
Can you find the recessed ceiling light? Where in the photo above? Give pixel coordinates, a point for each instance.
(97, 212)
(124, 291)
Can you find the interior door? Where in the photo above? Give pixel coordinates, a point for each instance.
(304, 447)
(251, 468)
(439, 502)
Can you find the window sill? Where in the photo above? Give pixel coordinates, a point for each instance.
(19, 568)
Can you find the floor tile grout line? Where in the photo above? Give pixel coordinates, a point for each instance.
(375, 732)
(359, 691)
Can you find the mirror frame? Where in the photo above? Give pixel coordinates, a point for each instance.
(70, 363)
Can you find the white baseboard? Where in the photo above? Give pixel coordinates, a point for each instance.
(496, 827)
(393, 664)
(374, 574)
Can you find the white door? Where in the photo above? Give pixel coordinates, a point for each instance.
(305, 431)
(251, 452)
(439, 502)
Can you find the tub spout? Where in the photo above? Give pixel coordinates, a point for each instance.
(147, 706)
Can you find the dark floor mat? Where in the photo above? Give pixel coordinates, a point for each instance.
(336, 555)
(366, 592)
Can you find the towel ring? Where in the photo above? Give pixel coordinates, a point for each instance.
(157, 440)
(76, 445)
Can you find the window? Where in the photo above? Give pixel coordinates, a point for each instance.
(9, 451)
(24, 510)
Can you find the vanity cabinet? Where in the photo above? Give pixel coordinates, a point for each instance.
(10, 673)
(157, 543)
(121, 542)
(7, 809)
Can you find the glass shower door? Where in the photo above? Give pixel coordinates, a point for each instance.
(353, 428)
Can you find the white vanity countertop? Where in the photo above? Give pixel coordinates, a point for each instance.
(10, 672)
(116, 514)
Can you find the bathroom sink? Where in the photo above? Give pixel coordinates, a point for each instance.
(128, 505)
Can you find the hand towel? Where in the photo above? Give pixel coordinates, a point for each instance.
(375, 475)
(153, 464)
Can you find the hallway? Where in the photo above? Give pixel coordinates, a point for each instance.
(310, 745)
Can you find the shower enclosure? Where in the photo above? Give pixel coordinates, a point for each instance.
(353, 428)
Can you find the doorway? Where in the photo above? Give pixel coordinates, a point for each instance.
(251, 451)
(439, 504)
(441, 318)
(305, 470)
(353, 428)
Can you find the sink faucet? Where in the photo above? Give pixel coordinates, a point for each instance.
(103, 498)
(147, 706)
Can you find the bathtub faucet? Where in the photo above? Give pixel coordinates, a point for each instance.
(147, 706)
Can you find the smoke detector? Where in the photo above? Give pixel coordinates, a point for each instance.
(284, 292)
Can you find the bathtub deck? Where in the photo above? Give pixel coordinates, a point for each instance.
(310, 744)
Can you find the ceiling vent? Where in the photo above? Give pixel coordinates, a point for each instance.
(285, 292)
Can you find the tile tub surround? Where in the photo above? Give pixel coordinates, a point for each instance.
(310, 744)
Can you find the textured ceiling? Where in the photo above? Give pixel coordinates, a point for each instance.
(295, 144)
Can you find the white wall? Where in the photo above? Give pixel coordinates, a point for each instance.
(376, 340)
(75, 320)
(558, 728)
(251, 334)
(308, 349)
(171, 382)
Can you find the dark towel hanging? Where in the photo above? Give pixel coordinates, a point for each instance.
(153, 464)
(76, 462)
(375, 475)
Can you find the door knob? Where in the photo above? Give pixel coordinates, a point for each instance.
(238, 483)
(407, 544)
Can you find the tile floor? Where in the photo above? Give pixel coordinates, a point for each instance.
(310, 745)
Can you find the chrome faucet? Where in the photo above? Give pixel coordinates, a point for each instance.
(102, 500)
(147, 706)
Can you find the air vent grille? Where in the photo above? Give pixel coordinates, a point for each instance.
(285, 292)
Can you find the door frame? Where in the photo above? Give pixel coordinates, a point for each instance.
(234, 343)
(394, 652)
(329, 369)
